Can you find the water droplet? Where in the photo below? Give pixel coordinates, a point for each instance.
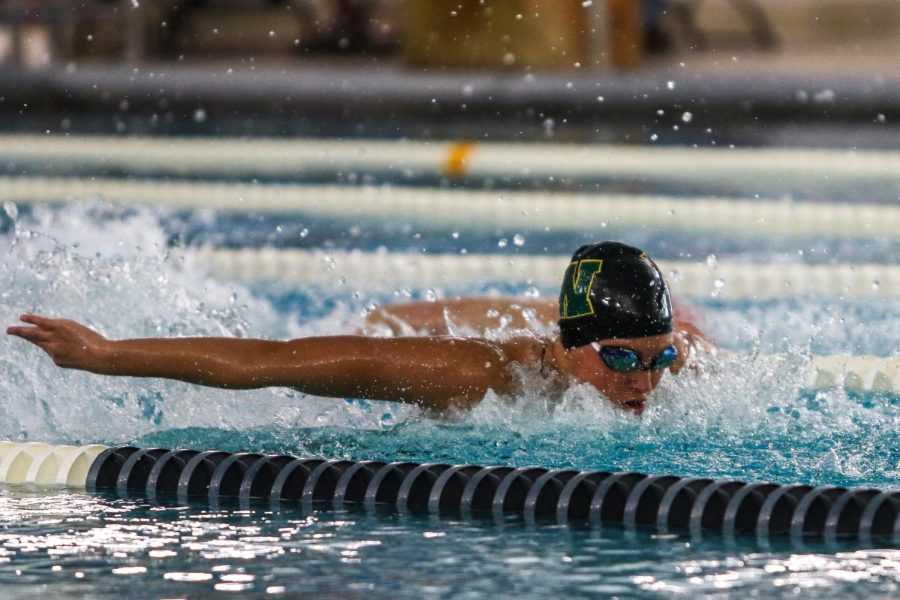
(532, 292)
(304, 232)
(509, 59)
(670, 85)
(712, 261)
(718, 286)
(587, 3)
(519, 240)
(199, 115)
(876, 284)
(687, 117)
(502, 243)
(11, 210)
(654, 137)
(674, 275)
(455, 235)
(430, 295)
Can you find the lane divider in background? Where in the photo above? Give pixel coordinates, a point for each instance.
(477, 210)
(386, 271)
(280, 157)
(665, 502)
(871, 373)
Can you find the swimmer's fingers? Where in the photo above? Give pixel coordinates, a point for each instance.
(34, 335)
(42, 322)
(41, 329)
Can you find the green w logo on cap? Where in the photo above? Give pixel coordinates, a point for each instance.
(575, 298)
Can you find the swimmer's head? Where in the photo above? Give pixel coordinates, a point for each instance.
(611, 290)
(614, 300)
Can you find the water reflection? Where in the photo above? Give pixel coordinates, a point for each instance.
(104, 547)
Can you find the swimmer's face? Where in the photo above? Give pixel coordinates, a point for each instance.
(627, 389)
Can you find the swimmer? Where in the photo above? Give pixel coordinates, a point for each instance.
(616, 331)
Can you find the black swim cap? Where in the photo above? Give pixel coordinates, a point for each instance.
(611, 290)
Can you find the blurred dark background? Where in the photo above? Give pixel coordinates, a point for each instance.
(749, 71)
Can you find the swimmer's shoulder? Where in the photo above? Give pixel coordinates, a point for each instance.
(524, 349)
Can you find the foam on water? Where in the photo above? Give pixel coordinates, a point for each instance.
(114, 270)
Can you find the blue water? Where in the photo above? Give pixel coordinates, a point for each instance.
(744, 418)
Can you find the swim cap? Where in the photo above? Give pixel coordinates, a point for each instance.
(611, 290)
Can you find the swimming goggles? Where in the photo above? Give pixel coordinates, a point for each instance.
(623, 360)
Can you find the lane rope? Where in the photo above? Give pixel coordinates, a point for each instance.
(668, 503)
(387, 271)
(477, 210)
(274, 157)
(45, 464)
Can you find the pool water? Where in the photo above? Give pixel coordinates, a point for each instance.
(70, 545)
(131, 272)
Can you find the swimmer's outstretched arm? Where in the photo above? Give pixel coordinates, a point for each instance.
(436, 373)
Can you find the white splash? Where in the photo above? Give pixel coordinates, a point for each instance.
(113, 270)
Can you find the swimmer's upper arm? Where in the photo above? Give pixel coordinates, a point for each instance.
(437, 373)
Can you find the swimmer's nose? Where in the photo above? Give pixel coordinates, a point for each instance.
(642, 382)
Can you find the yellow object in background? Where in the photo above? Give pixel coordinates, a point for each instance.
(497, 34)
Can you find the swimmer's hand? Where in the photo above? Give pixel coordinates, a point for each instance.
(69, 344)
(689, 343)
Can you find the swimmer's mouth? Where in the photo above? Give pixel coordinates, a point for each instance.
(635, 406)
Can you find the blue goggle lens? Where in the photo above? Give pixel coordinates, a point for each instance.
(623, 360)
